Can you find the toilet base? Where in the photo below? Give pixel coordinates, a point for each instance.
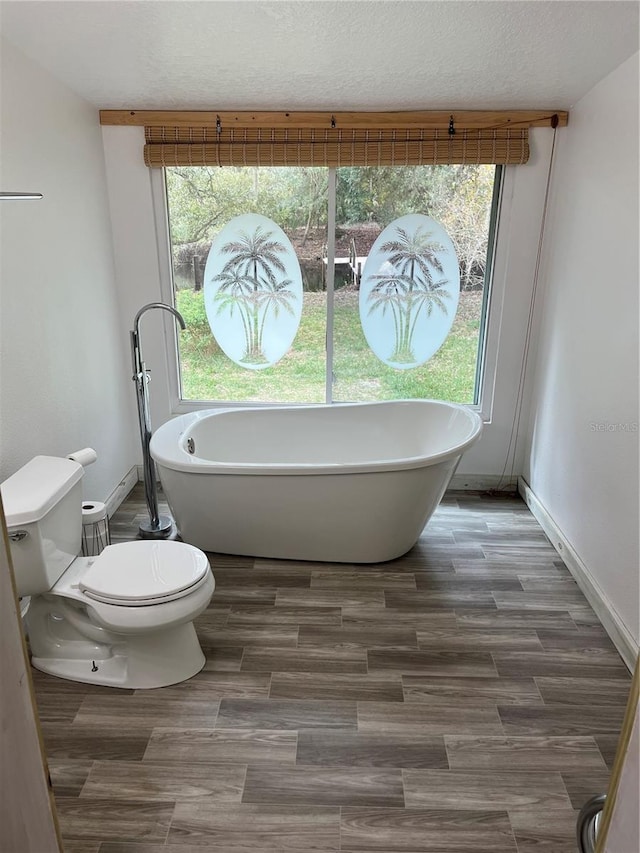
(137, 662)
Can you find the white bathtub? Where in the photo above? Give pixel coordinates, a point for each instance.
(349, 483)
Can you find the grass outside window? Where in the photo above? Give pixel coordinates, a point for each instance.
(299, 377)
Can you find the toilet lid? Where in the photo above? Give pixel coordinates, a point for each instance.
(149, 572)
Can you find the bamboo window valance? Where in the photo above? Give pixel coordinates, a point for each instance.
(172, 146)
(341, 139)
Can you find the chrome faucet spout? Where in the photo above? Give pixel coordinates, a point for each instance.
(161, 305)
(158, 526)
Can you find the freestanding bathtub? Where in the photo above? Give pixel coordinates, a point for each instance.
(353, 483)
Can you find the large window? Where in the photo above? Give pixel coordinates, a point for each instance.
(359, 256)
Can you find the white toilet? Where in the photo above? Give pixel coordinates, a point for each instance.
(124, 618)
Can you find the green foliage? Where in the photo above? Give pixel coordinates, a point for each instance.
(376, 194)
(203, 199)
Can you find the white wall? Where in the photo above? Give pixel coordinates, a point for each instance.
(582, 466)
(139, 272)
(65, 375)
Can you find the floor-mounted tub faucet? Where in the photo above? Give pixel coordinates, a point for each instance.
(158, 526)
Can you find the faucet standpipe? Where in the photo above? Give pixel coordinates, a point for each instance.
(158, 526)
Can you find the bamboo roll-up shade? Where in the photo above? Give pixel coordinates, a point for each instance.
(208, 146)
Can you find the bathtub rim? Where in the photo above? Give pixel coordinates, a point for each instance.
(168, 451)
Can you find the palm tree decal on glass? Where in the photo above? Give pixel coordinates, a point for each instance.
(253, 291)
(409, 291)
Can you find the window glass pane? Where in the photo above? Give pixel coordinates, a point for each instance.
(368, 201)
(384, 204)
(202, 202)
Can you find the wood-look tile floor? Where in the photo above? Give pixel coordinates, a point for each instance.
(461, 699)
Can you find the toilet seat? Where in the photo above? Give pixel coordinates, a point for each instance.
(137, 574)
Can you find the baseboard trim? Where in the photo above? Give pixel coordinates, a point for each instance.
(121, 491)
(482, 483)
(603, 608)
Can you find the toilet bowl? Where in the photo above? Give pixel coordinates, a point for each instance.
(125, 618)
(121, 619)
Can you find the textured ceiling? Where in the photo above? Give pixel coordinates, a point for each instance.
(321, 54)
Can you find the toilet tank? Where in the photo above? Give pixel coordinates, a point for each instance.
(43, 507)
